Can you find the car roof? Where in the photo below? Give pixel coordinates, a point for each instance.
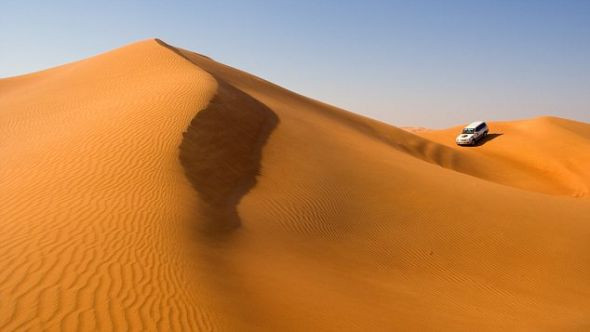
(474, 124)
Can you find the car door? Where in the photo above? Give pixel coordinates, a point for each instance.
(478, 132)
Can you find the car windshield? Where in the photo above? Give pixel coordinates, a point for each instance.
(468, 131)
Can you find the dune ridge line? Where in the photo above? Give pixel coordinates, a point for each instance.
(221, 150)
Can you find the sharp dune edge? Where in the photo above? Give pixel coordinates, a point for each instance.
(153, 188)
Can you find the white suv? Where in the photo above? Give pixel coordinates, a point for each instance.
(473, 133)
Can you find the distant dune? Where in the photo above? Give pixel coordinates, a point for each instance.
(152, 188)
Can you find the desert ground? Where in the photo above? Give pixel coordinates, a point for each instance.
(153, 188)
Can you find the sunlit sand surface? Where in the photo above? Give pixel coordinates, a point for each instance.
(152, 188)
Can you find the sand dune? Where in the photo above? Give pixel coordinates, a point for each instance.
(545, 154)
(153, 188)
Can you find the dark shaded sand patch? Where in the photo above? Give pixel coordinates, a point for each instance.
(221, 152)
(488, 138)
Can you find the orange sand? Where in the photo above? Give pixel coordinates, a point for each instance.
(153, 188)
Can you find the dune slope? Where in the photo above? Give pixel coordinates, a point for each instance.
(546, 154)
(93, 199)
(153, 188)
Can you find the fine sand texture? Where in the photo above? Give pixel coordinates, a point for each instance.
(152, 188)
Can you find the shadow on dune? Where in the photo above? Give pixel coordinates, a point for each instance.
(221, 152)
(488, 138)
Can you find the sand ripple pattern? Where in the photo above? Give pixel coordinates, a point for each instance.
(93, 201)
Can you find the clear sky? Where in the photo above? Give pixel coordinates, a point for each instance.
(424, 63)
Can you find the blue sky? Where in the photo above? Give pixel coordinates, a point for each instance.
(423, 63)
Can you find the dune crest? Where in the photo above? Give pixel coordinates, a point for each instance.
(438, 147)
(112, 167)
